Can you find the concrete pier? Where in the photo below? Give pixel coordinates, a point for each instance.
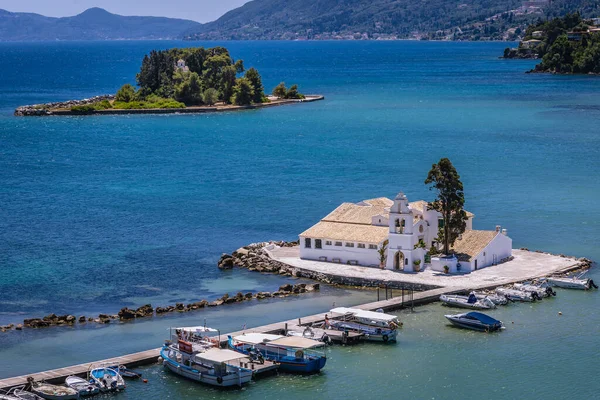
(537, 265)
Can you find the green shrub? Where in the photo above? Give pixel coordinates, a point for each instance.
(85, 109)
(125, 94)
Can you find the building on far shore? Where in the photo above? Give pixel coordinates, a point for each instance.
(353, 233)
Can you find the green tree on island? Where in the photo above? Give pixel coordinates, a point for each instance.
(450, 201)
(293, 93)
(243, 92)
(126, 94)
(189, 90)
(280, 90)
(255, 80)
(210, 96)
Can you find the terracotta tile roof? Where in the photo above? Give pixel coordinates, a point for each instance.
(347, 232)
(421, 205)
(379, 201)
(472, 243)
(354, 214)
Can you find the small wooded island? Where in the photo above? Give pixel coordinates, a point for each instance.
(188, 80)
(567, 45)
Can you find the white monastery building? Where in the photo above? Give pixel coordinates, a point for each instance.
(353, 233)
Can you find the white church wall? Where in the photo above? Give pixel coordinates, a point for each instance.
(329, 252)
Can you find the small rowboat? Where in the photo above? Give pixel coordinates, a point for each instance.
(476, 321)
(467, 302)
(83, 387)
(572, 283)
(21, 394)
(53, 392)
(126, 372)
(107, 379)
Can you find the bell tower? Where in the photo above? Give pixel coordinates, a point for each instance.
(401, 217)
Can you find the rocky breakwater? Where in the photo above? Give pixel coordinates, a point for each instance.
(255, 258)
(147, 311)
(36, 110)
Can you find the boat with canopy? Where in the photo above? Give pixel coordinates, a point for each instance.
(376, 326)
(292, 353)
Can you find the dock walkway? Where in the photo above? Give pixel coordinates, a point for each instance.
(418, 298)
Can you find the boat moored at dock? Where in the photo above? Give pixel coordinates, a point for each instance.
(52, 392)
(470, 301)
(107, 379)
(83, 387)
(475, 321)
(292, 353)
(575, 282)
(376, 326)
(541, 291)
(518, 295)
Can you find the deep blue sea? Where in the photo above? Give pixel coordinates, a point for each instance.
(101, 212)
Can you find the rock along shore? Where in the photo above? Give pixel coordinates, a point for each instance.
(146, 311)
(64, 108)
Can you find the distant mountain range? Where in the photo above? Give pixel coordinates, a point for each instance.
(92, 24)
(387, 19)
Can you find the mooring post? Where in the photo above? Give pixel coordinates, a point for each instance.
(286, 329)
(377, 293)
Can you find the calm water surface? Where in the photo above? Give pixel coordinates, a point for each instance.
(97, 213)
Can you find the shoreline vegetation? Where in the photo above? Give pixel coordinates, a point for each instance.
(189, 80)
(566, 45)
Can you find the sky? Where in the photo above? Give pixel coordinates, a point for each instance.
(197, 10)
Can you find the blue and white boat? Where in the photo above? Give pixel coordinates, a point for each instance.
(476, 321)
(376, 326)
(292, 353)
(205, 364)
(107, 379)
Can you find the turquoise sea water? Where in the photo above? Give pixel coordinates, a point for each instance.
(97, 213)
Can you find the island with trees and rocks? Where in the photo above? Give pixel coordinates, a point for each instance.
(565, 45)
(188, 80)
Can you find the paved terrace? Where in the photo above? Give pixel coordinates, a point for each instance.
(526, 265)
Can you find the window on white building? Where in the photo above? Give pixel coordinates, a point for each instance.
(338, 243)
(373, 246)
(360, 245)
(348, 244)
(307, 243)
(318, 244)
(328, 242)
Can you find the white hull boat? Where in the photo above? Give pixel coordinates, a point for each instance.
(541, 291)
(21, 394)
(470, 301)
(83, 387)
(107, 379)
(572, 283)
(495, 298)
(376, 326)
(518, 295)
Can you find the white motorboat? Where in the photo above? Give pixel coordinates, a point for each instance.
(575, 282)
(495, 298)
(107, 379)
(376, 326)
(541, 291)
(83, 387)
(470, 301)
(518, 295)
(52, 392)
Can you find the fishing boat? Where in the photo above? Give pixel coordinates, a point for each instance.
(518, 295)
(21, 394)
(476, 321)
(495, 298)
(83, 387)
(541, 291)
(575, 282)
(292, 353)
(209, 365)
(376, 326)
(470, 301)
(51, 392)
(107, 379)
